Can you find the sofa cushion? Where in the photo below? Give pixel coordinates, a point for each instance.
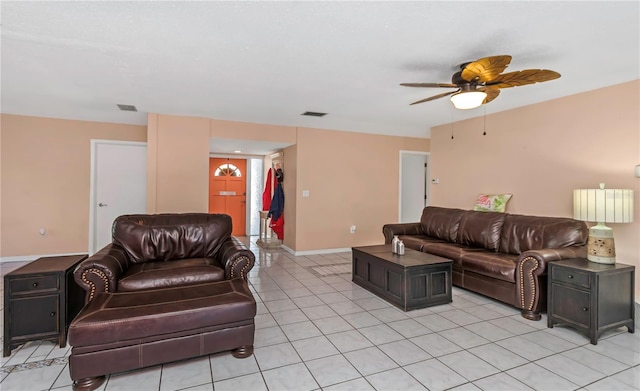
(170, 236)
(523, 233)
(441, 223)
(496, 265)
(481, 229)
(451, 251)
(416, 242)
(162, 274)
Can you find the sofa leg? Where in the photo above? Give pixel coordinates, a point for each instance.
(531, 315)
(243, 351)
(88, 384)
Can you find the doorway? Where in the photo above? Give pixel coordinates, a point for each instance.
(228, 190)
(414, 185)
(118, 186)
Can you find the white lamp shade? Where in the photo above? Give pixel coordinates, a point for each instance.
(468, 100)
(603, 205)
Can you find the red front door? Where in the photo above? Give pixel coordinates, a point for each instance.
(227, 190)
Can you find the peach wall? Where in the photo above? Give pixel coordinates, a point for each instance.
(178, 149)
(541, 152)
(353, 180)
(289, 184)
(252, 131)
(1, 225)
(46, 181)
(352, 177)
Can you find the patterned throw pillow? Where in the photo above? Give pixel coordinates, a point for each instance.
(492, 202)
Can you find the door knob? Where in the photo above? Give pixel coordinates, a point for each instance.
(101, 204)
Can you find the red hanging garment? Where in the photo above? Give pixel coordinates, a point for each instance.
(266, 195)
(278, 227)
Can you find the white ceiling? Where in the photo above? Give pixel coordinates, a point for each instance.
(267, 62)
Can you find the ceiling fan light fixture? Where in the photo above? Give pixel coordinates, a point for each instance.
(468, 100)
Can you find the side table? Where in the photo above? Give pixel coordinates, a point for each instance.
(40, 300)
(591, 297)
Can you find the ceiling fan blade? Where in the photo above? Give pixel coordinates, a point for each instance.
(485, 69)
(524, 77)
(435, 97)
(492, 93)
(432, 85)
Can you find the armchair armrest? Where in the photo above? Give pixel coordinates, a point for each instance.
(531, 276)
(236, 258)
(101, 271)
(388, 230)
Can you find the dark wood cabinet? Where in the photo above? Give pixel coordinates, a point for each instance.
(40, 300)
(590, 297)
(410, 281)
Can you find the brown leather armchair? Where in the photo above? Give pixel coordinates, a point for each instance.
(165, 250)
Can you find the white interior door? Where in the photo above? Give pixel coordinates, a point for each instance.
(414, 185)
(118, 186)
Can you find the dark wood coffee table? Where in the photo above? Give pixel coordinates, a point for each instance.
(410, 281)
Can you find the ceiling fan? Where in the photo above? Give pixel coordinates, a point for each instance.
(479, 82)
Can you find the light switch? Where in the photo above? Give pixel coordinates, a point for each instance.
(305, 193)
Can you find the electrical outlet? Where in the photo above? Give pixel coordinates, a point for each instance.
(353, 229)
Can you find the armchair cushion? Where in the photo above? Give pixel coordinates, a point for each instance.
(169, 236)
(151, 275)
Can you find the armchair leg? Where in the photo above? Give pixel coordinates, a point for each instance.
(531, 315)
(88, 384)
(243, 351)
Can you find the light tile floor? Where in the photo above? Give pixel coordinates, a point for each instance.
(316, 330)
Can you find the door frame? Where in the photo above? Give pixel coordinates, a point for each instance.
(427, 179)
(93, 184)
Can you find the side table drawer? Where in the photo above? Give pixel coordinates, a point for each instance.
(31, 316)
(571, 304)
(568, 276)
(34, 284)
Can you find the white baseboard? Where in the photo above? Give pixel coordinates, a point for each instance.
(26, 258)
(316, 252)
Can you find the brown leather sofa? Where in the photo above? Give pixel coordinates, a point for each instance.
(503, 256)
(165, 250)
(168, 287)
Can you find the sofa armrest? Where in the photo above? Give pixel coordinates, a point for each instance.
(101, 271)
(531, 275)
(236, 258)
(388, 230)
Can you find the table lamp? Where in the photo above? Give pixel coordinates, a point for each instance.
(602, 206)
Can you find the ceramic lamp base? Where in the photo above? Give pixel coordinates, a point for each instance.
(601, 247)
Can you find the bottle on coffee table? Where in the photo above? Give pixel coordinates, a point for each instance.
(394, 244)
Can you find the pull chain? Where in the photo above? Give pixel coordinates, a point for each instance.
(484, 125)
(451, 125)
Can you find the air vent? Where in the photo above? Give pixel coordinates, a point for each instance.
(127, 108)
(314, 114)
